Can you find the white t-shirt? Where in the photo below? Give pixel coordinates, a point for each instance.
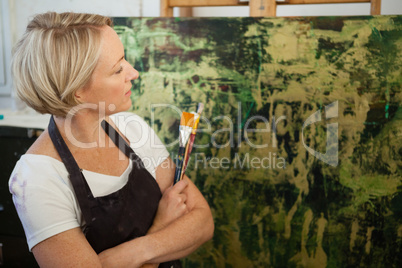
(44, 196)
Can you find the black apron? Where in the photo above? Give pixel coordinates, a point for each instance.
(120, 216)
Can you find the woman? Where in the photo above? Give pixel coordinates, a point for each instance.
(82, 191)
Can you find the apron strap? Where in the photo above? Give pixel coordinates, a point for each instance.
(80, 185)
(119, 141)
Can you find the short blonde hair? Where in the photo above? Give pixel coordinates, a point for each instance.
(55, 57)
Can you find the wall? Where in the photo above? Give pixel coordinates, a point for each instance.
(5, 55)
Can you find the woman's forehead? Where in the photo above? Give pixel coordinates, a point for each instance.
(112, 48)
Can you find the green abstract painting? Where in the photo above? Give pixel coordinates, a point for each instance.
(299, 152)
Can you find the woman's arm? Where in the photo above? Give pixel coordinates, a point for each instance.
(66, 249)
(198, 222)
(169, 238)
(175, 240)
(71, 249)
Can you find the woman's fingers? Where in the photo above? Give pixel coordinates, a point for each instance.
(180, 186)
(173, 204)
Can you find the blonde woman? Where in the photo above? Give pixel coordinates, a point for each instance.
(95, 189)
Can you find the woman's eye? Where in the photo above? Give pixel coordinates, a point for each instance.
(120, 70)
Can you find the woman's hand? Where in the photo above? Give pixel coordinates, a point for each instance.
(171, 206)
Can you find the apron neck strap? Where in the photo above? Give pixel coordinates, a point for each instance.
(119, 141)
(78, 181)
(62, 149)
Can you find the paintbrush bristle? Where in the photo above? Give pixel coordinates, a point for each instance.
(187, 119)
(200, 108)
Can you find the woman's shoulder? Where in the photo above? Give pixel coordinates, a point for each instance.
(40, 186)
(38, 168)
(44, 146)
(133, 127)
(128, 119)
(142, 138)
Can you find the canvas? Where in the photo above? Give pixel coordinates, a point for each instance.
(299, 152)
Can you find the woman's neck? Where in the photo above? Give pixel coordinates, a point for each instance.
(83, 130)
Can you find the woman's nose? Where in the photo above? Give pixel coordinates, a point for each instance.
(132, 73)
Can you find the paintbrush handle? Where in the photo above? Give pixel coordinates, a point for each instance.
(179, 166)
(189, 148)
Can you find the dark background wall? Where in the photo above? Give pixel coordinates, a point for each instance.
(14, 142)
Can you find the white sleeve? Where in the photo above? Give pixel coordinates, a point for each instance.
(43, 199)
(143, 140)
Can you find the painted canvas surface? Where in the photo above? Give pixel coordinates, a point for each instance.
(300, 149)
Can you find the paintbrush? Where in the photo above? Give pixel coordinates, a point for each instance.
(190, 143)
(186, 126)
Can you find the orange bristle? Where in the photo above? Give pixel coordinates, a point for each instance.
(187, 119)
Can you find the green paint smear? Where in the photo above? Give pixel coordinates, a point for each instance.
(309, 214)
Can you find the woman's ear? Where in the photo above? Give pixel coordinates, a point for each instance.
(82, 93)
(79, 95)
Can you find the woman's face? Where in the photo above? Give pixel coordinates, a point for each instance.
(110, 84)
